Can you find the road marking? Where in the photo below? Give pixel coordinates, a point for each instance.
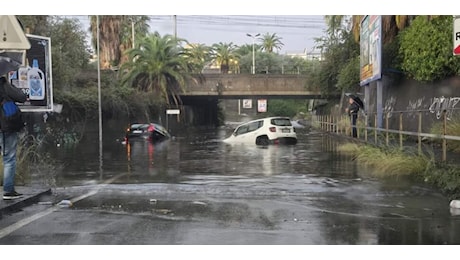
(21, 223)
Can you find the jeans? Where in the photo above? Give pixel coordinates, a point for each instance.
(9, 143)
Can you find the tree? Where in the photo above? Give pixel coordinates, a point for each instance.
(338, 47)
(223, 53)
(35, 24)
(198, 55)
(69, 50)
(158, 64)
(270, 42)
(426, 49)
(246, 49)
(141, 29)
(109, 39)
(115, 36)
(334, 27)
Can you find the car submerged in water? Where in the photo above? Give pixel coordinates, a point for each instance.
(264, 131)
(150, 131)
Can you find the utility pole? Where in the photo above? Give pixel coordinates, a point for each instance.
(132, 31)
(253, 52)
(175, 26)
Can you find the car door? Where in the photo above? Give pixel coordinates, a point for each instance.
(248, 133)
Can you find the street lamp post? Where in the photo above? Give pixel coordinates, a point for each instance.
(253, 52)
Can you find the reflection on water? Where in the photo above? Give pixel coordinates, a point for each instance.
(310, 177)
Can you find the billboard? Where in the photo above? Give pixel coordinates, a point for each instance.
(34, 78)
(370, 49)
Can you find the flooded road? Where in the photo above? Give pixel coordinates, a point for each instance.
(194, 189)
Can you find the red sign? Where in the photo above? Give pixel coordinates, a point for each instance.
(457, 35)
(457, 50)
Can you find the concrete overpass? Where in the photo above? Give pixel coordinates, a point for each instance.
(201, 99)
(239, 86)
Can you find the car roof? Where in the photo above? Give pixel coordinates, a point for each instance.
(265, 118)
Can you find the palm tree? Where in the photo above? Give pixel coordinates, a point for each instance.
(141, 28)
(223, 53)
(157, 64)
(109, 38)
(197, 55)
(115, 36)
(270, 42)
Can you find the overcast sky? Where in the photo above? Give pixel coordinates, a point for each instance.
(297, 33)
(205, 21)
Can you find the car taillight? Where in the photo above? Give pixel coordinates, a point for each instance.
(272, 129)
(151, 128)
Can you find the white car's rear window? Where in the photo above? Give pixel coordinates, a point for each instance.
(281, 122)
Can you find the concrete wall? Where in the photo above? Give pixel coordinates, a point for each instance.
(409, 97)
(246, 84)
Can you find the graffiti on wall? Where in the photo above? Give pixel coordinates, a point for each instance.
(389, 106)
(439, 104)
(415, 106)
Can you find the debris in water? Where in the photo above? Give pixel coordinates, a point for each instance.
(65, 204)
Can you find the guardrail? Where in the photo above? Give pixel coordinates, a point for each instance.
(341, 124)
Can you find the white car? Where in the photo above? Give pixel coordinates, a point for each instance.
(264, 131)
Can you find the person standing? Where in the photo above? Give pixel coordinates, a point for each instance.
(9, 141)
(352, 110)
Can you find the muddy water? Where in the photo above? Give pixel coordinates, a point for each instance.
(337, 198)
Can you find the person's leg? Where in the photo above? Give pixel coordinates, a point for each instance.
(353, 123)
(9, 145)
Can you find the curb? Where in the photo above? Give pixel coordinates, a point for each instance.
(17, 205)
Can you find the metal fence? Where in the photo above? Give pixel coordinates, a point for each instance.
(368, 131)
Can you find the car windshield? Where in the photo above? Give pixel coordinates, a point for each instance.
(281, 122)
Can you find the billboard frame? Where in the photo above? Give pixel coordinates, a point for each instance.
(47, 105)
(370, 49)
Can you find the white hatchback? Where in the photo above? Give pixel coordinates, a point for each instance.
(264, 131)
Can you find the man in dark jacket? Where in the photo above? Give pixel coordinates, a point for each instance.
(9, 141)
(353, 109)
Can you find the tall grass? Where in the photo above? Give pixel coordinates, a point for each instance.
(452, 128)
(388, 162)
(394, 162)
(33, 166)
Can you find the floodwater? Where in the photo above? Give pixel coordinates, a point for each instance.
(333, 192)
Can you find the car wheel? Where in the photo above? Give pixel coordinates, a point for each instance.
(262, 140)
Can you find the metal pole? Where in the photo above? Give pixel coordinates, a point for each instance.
(253, 58)
(387, 128)
(99, 95)
(375, 128)
(175, 26)
(419, 132)
(253, 52)
(400, 130)
(444, 140)
(132, 32)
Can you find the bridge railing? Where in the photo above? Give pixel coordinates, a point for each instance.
(242, 83)
(397, 130)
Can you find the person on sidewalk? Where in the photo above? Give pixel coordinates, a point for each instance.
(352, 110)
(9, 142)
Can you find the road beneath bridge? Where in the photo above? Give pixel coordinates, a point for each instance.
(201, 100)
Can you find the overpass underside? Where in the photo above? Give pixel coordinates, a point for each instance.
(201, 98)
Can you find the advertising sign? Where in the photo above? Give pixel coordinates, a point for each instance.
(262, 105)
(457, 35)
(34, 78)
(370, 49)
(247, 103)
